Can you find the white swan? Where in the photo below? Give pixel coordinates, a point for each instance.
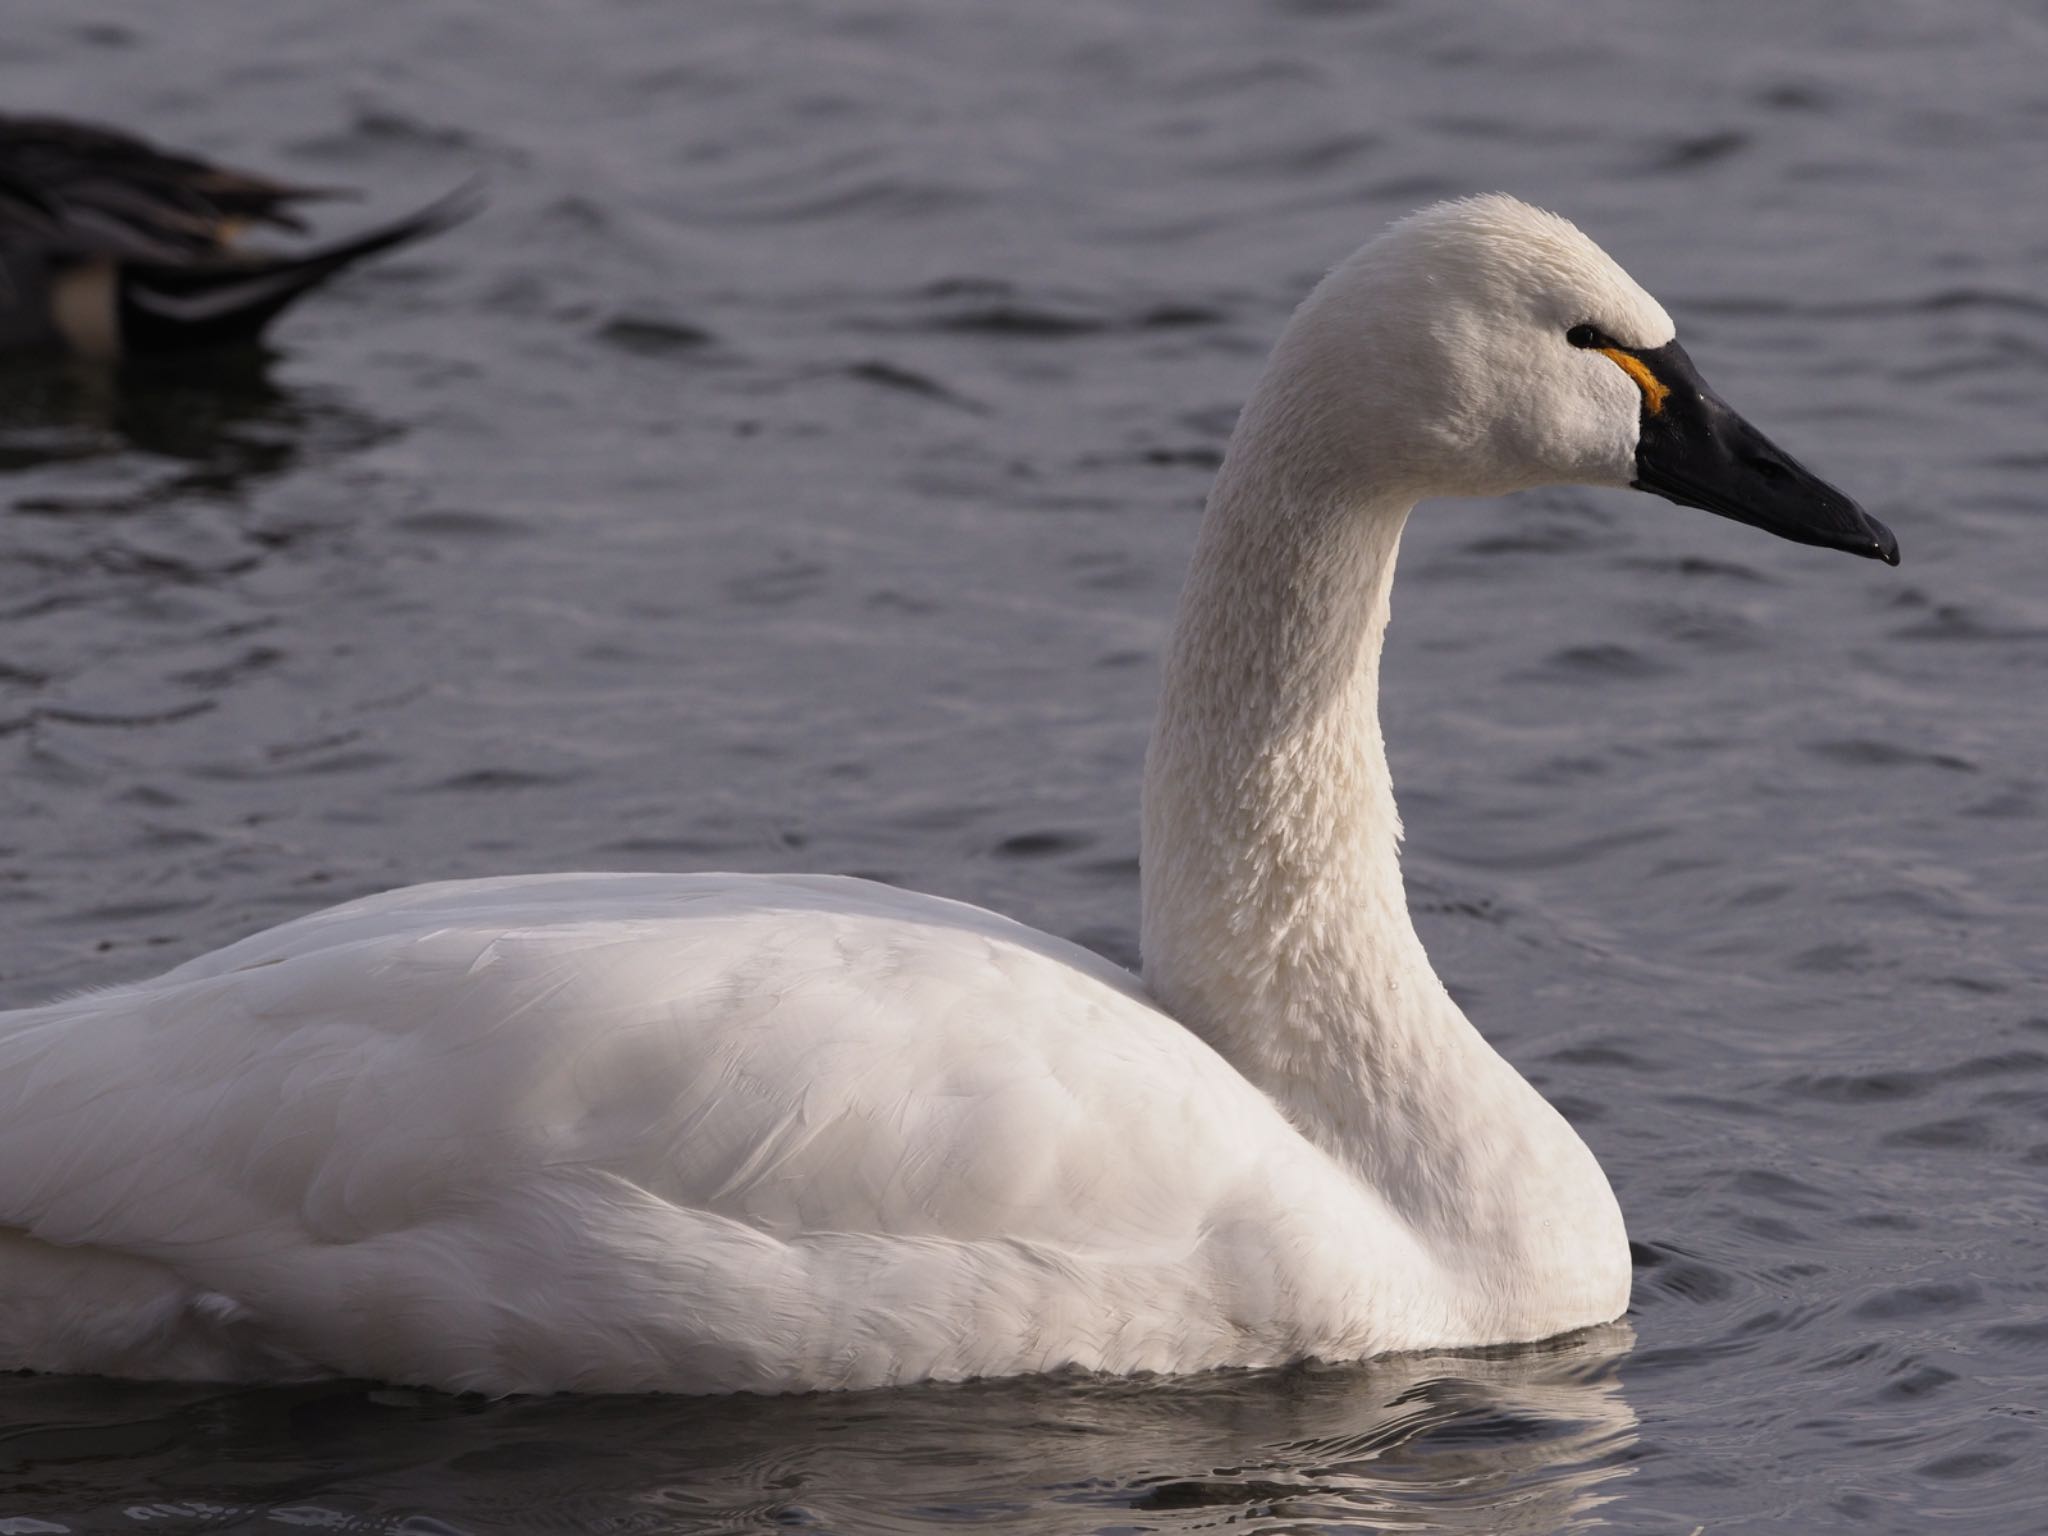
(711, 1132)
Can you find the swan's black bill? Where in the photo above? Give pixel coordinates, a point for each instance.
(1696, 451)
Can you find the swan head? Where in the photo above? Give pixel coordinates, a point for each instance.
(1484, 346)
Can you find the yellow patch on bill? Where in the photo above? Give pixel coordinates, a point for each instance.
(1655, 390)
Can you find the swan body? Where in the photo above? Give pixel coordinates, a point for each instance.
(715, 1132)
(682, 1137)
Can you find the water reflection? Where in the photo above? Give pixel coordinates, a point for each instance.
(216, 427)
(1512, 1441)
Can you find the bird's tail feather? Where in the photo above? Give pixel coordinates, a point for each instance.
(167, 308)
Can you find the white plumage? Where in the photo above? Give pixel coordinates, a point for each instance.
(708, 1132)
(646, 1131)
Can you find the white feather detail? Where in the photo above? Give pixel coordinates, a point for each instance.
(714, 1132)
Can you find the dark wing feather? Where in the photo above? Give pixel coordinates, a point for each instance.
(77, 189)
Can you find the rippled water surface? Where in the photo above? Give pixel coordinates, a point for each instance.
(794, 469)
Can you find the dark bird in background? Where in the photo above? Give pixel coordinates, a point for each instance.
(112, 247)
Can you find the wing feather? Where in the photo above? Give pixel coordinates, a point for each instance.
(825, 1099)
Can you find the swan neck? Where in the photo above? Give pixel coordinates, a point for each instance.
(1275, 923)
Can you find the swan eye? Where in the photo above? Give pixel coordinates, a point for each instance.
(1593, 339)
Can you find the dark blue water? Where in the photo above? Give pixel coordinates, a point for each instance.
(794, 469)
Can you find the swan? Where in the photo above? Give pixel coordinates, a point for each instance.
(704, 1133)
(111, 246)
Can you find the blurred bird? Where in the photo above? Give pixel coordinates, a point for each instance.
(111, 246)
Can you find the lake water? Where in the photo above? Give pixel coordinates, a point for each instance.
(794, 468)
